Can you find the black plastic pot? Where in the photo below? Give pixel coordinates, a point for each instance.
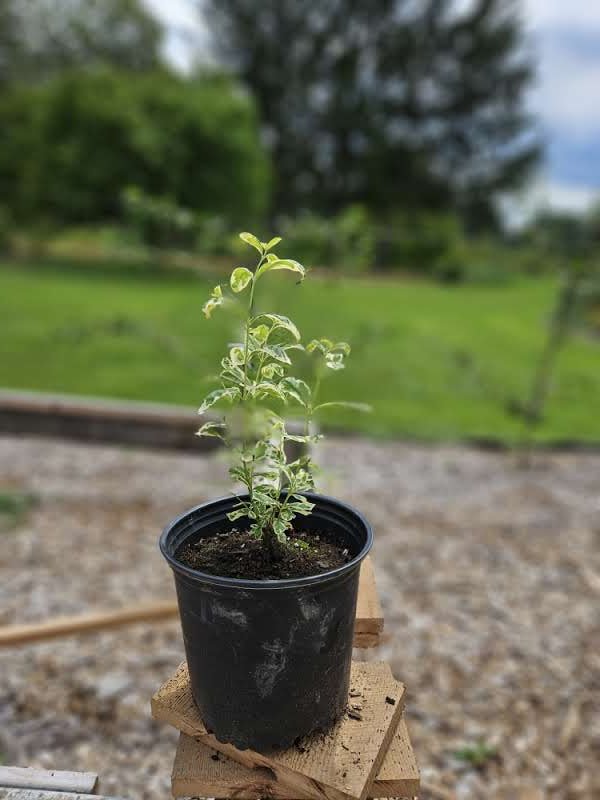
(269, 661)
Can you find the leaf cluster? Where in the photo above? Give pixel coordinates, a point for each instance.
(257, 378)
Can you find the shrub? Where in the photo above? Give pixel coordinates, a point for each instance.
(5, 229)
(345, 241)
(158, 221)
(310, 237)
(354, 239)
(76, 141)
(419, 241)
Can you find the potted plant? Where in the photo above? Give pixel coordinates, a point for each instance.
(267, 580)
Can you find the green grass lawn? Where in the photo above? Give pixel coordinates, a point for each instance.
(435, 362)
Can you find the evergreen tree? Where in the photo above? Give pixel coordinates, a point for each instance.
(388, 102)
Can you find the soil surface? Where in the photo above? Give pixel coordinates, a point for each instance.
(239, 554)
(488, 572)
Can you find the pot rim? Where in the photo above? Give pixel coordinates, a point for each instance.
(198, 576)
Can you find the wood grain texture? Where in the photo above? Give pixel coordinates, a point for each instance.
(338, 765)
(59, 780)
(200, 771)
(369, 616)
(11, 635)
(367, 629)
(13, 793)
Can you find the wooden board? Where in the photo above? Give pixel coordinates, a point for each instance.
(338, 765)
(200, 771)
(367, 629)
(12, 793)
(369, 616)
(60, 780)
(59, 627)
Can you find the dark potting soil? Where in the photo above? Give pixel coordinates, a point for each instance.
(239, 554)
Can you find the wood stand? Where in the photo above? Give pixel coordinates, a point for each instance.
(366, 754)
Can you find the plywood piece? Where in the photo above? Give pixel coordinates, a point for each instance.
(367, 628)
(200, 771)
(338, 765)
(369, 616)
(60, 780)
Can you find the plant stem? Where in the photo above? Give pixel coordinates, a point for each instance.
(248, 323)
(246, 350)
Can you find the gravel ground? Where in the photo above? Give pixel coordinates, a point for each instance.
(489, 573)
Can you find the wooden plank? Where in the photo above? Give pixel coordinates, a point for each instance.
(338, 765)
(369, 616)
(96, 419)
(61, 780)
(366, 633)
(399, 774)
(200, 771)
(58, 627)
(12, 793)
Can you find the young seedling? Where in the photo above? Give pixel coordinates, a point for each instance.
(257, 378)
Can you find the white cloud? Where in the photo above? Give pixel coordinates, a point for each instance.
(566, 38)
(576, 14)
(186, 35)
(570, 198)
(520, 208)
(567, 95)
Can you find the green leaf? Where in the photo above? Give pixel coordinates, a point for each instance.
(236, 355)
(279, 321)
(215, 300)
(212, 429)
(240, 474)
(260, 333)
(334, 361)
(230, 394)
(364, 407)
(280, 527)
(322, 345)
(342, 347)
(271, 370)
(240, 278)
(271, 243)
(269, 390)
(277, 352)
(237, 514)
(282, 263)
(250, 239)
(301, 506)
(298, 389)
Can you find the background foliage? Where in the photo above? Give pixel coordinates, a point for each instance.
(76, 141)
(377, 138)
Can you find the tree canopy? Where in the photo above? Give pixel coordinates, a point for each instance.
(390, 103)
(79, 139)
(41, 37)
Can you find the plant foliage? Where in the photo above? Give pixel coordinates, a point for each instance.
(257, 378)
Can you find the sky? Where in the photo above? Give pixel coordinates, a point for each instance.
(565, 39)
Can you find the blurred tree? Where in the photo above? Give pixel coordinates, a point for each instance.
(388, 103)
(41, 37)
(10, 46)
(78, 140)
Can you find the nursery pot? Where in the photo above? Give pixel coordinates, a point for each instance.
(269, 660)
